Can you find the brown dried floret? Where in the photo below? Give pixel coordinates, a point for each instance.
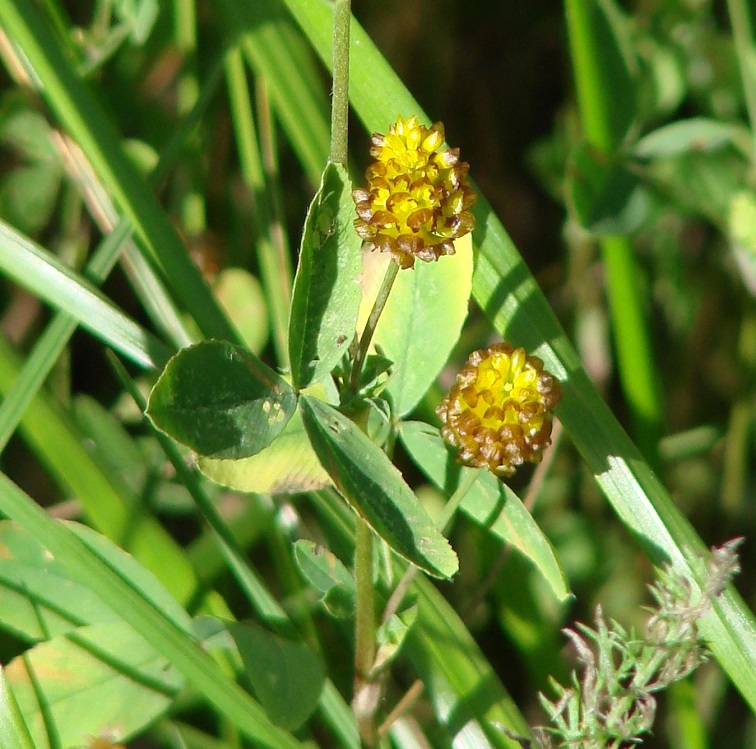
(498, 413)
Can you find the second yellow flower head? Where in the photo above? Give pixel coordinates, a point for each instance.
(498, 413)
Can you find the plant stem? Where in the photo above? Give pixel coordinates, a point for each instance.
(372, 323)
(342, 16)
(365, 699)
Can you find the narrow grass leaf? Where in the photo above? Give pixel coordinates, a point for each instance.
(275, 50)
(85, 683)
(13, 728)
(38, 598)
(221, 401)
(489, 502)
(286, 676)
(375, 489)
(45, 276)
(326, 297)
(467, 697)
(605, 61)
(171, 641)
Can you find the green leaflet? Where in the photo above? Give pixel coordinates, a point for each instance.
(375, 489)
(220, 401)
(326, 296)
(287, 677)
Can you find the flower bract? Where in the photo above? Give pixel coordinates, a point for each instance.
(417, 199)
(498, 413)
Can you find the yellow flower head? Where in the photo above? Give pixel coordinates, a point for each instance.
(498, 411)
(417, 200)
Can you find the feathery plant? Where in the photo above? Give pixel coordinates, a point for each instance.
(612, 703)
(265, 560)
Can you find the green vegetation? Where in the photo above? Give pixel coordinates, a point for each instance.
(227, 515)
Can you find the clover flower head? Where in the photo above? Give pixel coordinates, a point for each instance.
(498, 413)
(417, 199)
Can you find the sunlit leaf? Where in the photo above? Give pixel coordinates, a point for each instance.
(422, 320)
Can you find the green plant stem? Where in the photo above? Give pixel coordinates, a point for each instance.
(372, 323)
(364, 703)
(637, 372)
(742, 31)
(340, 101)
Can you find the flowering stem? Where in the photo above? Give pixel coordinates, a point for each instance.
(365, 699)
(340, 102)
(367, 334)
(403, 586)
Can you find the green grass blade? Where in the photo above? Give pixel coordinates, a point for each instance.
(275, 265)
(12, 726)
(275, 51)
(50, 279)
(79, 112)
(508, 293)
(51, 343)
(200, 670)
(465, 692)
